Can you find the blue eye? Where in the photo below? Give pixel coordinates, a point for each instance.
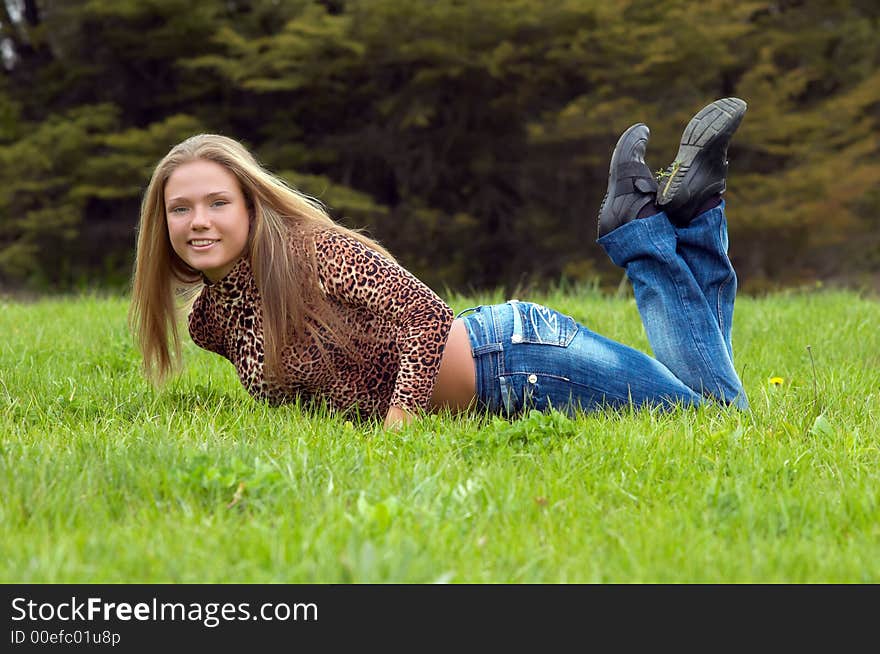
(219, 203)
(178, 209)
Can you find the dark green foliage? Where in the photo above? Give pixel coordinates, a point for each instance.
(471, 137)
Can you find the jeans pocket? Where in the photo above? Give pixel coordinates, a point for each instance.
(535, 323)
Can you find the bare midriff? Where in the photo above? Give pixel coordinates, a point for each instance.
(455, 388)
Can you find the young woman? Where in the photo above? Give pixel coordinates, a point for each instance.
(307, 309)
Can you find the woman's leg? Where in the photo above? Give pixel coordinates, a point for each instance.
(683, 282)
(690, 193)
(682, 327)
(702, 244)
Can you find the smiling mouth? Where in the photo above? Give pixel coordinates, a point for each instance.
(202, 242)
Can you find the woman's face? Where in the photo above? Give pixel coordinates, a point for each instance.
(207, 217)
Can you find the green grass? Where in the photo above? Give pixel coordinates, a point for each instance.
(105, 480)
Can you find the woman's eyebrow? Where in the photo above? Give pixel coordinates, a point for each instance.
(207, 196)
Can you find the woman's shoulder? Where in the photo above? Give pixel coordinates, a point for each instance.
(302, 236)
(327, 236)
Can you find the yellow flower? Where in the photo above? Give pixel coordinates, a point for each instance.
(777, 381)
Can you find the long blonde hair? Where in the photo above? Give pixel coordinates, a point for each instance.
(164, 286)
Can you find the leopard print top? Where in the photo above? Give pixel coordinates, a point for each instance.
(396, 323)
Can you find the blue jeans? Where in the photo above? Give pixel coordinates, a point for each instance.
(529, 356)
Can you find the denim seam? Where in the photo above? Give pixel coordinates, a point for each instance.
(719, 308)
(722, 286)
(544, 374)
(498, 360)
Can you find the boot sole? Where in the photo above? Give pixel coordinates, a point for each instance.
(716, 121)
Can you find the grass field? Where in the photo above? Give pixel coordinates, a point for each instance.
(104, 479)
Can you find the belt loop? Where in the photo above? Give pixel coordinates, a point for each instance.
(498, 321)
(517, 336)
(493, 336)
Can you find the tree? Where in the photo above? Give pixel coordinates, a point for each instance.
(471, 137)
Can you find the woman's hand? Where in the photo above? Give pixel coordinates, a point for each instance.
(397, 418)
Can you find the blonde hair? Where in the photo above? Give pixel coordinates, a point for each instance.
(164, 286)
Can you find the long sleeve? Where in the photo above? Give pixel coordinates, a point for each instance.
(355, 274)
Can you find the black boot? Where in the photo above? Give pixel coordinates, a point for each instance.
(631, 185)
(699, 170)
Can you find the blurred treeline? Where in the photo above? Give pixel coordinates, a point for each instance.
(471, 137)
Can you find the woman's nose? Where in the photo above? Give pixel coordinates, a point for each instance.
(200, 218)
